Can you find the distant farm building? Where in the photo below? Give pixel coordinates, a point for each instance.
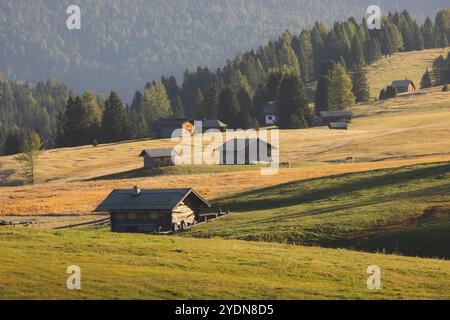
(153, 210)
(245, 151)
(157, 158)
(404, 86)
(338, 125)
(270, 113)
(164, 128)
(213, 124)
(335, 116)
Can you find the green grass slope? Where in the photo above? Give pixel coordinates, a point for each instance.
(131, 266)
(402, 210)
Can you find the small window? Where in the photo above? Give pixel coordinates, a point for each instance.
(154, 216)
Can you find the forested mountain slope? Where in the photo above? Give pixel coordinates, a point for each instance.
(123, 44)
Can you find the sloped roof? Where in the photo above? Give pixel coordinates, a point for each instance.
(242, 144)
(156, 153)
(402, 83)
(150, 200)
(270, 108)
(213, 123)
(325, 114)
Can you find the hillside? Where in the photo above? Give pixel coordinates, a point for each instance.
(402, 65)
(124, 44)
(398, 132)
(131, 266)
(406, 209)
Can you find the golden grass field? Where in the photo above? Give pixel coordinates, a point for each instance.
(403, 65)
(403, 131)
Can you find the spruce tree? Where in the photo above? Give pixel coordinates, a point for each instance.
(340, 95)
(426, 80)
(228, 110)
(360, 83)
(292, 103)
(115, 123)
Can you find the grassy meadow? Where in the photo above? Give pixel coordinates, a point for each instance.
(399, 66)
(346, 211)
(132, 266)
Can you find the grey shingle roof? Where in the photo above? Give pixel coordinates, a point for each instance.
(213, 123)
(149, 200)
(402, 83)
(156, 153)
(325, 114)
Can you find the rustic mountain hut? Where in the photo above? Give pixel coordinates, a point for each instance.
(245, 151)
(404, 86)
(152, 210)
(156, 158)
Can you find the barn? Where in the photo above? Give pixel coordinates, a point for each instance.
(335, 116)
(152, 210)
(155, 158)
(163, 128)
(245, 151)
(404, 86)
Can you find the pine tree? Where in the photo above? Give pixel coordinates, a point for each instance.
(115, 122)
(372, 51)
(382, 95)
(155, 102)
(360, 83)
(247, 113)
(228, 110)
(426, 80)
(29, 156)
(209, 108)
(357, 53)
(292, 103)
(340, 95)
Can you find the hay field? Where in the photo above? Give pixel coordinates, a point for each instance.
(410, 65)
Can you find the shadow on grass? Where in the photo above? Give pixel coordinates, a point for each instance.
(294, 193)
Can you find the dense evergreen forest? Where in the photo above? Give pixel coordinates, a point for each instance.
(334, 57)
(125, 43)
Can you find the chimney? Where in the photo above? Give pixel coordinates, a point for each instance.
(136, 191)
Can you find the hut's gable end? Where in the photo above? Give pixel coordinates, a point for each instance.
(183, 213)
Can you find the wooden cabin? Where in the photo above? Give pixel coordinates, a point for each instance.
(404, 86)
(245, 151)
(155, 158)
(152, 210)
(335, 116)
(270, 113)
(164, 128)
